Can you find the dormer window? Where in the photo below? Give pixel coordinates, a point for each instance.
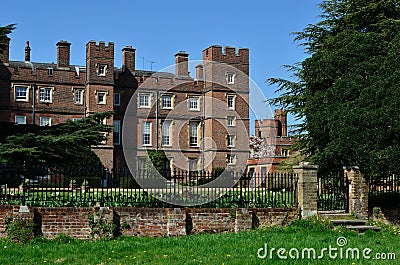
(50, 71)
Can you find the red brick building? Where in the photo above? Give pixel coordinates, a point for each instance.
(271, 143)
(200, 122)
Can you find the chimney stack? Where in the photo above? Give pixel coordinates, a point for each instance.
(27, 52)
(5, 52)
(181, 64)
(63, 54)
(128, 58)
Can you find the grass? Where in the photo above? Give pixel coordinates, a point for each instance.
(240, 248)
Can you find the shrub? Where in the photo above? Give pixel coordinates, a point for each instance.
(19, 230)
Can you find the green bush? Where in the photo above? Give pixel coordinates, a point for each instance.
(19, 230)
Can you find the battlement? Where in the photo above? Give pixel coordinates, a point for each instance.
(101, 49)
(229, 56)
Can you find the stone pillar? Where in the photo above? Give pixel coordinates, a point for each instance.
(358, 192)
(307, 189)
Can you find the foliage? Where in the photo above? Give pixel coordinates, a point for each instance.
(4, 31)
(156, 159)
(346, 94)
(67, 143)
(100, 227)
(19, 230)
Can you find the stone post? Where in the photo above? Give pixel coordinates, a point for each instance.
(307, 189)
(358, 193)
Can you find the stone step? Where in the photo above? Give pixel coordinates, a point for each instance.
(363, 228)
(346, 222)
(336, 215)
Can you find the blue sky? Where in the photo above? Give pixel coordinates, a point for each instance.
(158, 29)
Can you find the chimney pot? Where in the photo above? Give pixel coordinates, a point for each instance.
(27, 52)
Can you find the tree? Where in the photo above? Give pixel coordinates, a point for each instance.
(67, 143)
(346, 94)
(4, 31)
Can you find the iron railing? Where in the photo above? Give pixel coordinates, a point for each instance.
(54, 185)
(384, 191)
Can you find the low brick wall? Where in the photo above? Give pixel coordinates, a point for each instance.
(151, 222)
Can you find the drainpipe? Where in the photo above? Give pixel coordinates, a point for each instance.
(203, 118)
(156, 101)
(33, 103)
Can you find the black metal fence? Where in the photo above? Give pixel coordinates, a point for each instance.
(52, 185)
(384, 191)
(333, 192)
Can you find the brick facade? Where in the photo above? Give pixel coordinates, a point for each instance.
(76, 91)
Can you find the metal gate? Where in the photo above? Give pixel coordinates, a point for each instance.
(333, 192)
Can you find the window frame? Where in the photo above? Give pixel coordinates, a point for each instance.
(117, 132)
(193, 134)
(78, 91)
(45, 92)
(146, 143)
(41, 118)
(171, 101)
(230, 78)
(117, 102)
(19, 116)
(102, 70)
(231, 118)
(230, 159)
(24, 99)
(166, 125)
(148, 105)
(233, 101)
(104, 101)
(197, 99)
(230, 141)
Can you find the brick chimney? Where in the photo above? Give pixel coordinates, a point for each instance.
(181, 64)
(27, 52)
(128, 58)
(5, 52)
(63, 54)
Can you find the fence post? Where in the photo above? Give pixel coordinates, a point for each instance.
(358, 192)
(307, 188)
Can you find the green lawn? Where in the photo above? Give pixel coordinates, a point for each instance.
(240, 248)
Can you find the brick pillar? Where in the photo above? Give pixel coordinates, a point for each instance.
(307, 189)
(358, 192)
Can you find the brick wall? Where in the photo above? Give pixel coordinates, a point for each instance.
(149, 222)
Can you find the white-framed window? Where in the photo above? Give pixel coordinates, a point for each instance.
(166, 133)
(230, 78)
(230, 159)
(76, 119)
(101, 98)
(19, 119)
(101, 69)
(78, 96)
(193, 134)
(146, 133)
(21, 93)
(117, 132)
(45, 95)
(231, 141)
(117, 99)
(49, 71)
(231, 121)
(194, 103)
(231, 101)
(144, 100)
(166, 101)
(44, 121)
(141, 163)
